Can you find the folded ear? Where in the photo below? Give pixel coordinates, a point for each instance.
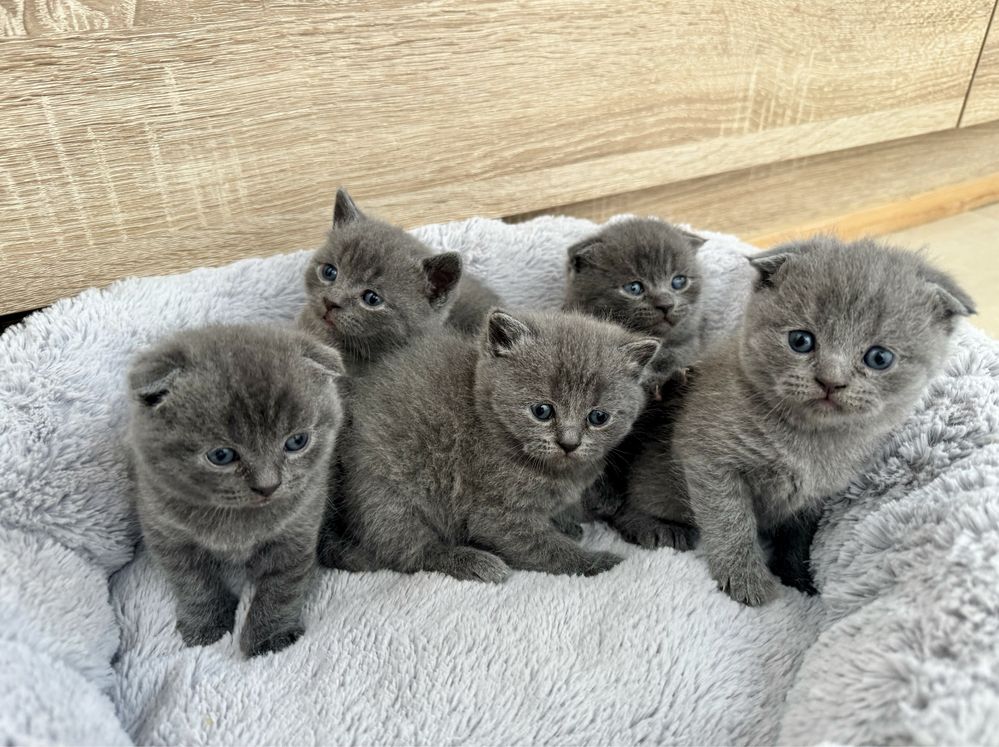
(695, 241)
(323, 358)
(950, 299)
(641, 352)
(344, 209)
(153, 372)
(769, 267)
(443, 271)
(504, 333)
(581, 252)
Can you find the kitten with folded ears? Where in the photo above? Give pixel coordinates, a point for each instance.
(461, 451)
(232, 435)
(838, 343)
(373, 287)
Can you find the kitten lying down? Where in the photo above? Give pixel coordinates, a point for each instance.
(460, 451)
(372, 287)
(839, 341)
(232, 432)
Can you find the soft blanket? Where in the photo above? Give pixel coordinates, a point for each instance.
(903, 645)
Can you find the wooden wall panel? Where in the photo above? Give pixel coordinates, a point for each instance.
(194, 132)
(983, 97)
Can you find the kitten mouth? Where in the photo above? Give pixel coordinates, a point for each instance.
(827, 404)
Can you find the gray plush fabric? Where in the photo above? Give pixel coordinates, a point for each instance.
(902, 647)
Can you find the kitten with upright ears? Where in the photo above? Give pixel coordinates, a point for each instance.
(232, 434)
(460, 452)
(373, 287)
(837, 345)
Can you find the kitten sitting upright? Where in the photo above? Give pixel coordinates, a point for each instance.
(461, 451)
(838, 342)
(373, 287)
(232, 433)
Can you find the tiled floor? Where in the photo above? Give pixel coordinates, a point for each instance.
(967, 246)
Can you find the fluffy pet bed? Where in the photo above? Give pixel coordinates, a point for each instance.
(902, 646)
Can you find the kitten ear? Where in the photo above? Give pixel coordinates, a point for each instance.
(443, 272)
(641, 352)
(344, 209)
(153, 373)
(580, 252)
(693, 240)
(504, 333)
(950, 299)
(323, 358)
(768, 266)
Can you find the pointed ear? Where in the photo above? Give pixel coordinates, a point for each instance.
(580, 252)
(693, 240)
(153, 373)
(768, 266)
(641, 352)
(323, 359)
(504, 333)
(344, 209)
(443, 271)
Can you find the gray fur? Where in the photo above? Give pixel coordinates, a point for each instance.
(247, 389)
(422, 292)
(753, 446)
(446, 468)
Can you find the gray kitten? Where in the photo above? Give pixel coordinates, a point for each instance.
(232, 432)
(839, 340)
(461, 451)
(643, 274)
(373, 287)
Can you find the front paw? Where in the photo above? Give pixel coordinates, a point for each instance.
(598, 562)
(751, 584)
(472, 564)
(652, 533)
(254, 642)
(203, 633)
(569, 528)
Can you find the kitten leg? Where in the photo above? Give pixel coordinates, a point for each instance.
(206, 608)
(282, 570)
(464, 563)
(651, 532)
(538, 546)
(570, 520)
(790, 559)
(723, 510)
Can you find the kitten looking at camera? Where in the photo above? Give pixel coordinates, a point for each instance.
(373, 287)
(232, 433)
(838, 343)
(461, 451)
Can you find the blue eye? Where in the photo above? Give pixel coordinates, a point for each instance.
(222, 456)
(371, 298)
(879, 358)
(328, 272)
(634, 288)
(801, 341)
(597, 418)
(297, 442)
(543, 411)
(678, 282)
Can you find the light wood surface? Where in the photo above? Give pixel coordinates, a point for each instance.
(175, 134)
(967, 246)
(983, 95)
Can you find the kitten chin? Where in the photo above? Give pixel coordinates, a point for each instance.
(232, 431)
(461, 451)
(837, 345)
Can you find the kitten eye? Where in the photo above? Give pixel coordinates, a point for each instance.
(371, 298)
(328, 272)
(678, 282)
(634, 288)
(801, 341)
(879, 358)
(597, 418)
(222, 456)
(297, 442)
(543, 411)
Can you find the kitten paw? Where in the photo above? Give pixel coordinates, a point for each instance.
(749, 585)
(257, 643)
(651, 533)
(570, 529)
(202, 634)
(472, 564)
(797, 577)
(598, 562)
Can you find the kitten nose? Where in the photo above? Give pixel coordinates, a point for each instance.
(569, 441)
(265, 490)
(331, 304)
(829, 386)
(665, 307)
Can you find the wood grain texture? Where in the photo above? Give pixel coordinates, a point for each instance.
(850, 191)
(983, 96)
(206, 131)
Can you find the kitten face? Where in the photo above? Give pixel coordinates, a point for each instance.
(372, 286)
(838, 334)
(235, 417)
(642, 274)
(564, 387)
